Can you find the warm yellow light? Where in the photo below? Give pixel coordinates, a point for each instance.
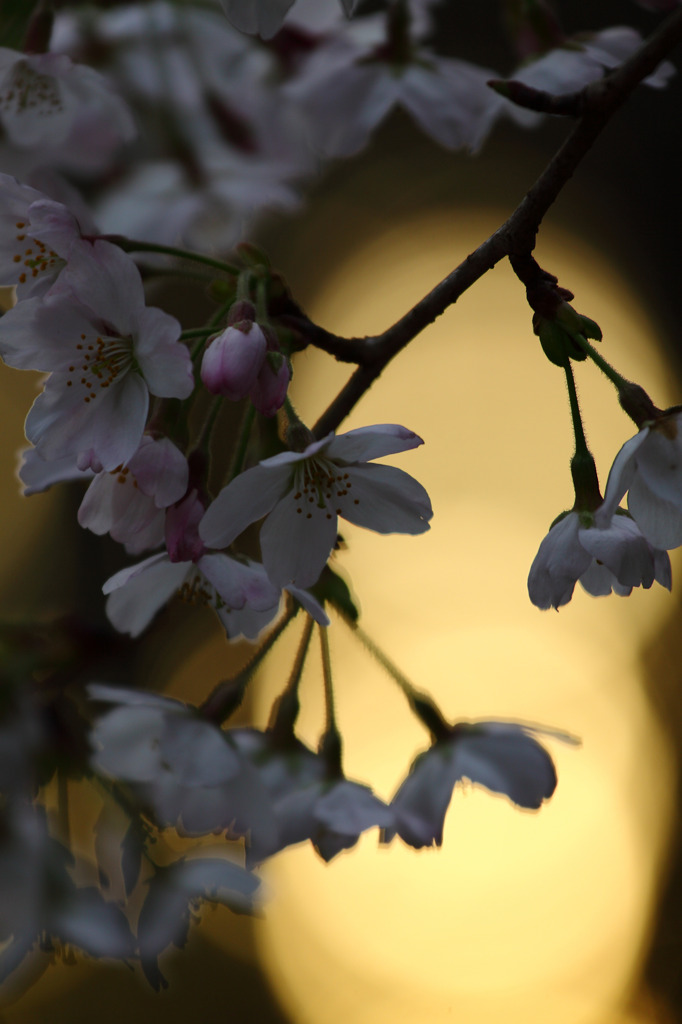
(520, 917)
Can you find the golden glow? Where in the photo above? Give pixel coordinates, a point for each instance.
(520, 916)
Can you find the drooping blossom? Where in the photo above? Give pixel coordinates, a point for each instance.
(172, 898)
(185, 769)
(106, 352)
(302, 494)
(504, 757)
(603, 551)
(649, 468)
(583, 60)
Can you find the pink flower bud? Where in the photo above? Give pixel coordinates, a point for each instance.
(233, 360)
(182, 529)
(270, 389)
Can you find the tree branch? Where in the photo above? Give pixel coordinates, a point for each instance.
(518, 233)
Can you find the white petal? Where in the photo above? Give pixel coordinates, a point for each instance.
(296, 541)
(658, 519)
(367, 443)
(384, 499)
(560, 560)
(622, 472)
(247, 498)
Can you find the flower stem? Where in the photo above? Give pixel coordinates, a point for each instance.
(285, 709)
(227, 696)
(330, 743)
(618, 381)
(134, 245)
(421, 704)
(583, 469)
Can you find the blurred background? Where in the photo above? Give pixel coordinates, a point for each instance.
(569, 915)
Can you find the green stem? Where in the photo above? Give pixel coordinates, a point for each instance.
(134, 245)
(330, 743)
(581, 448)
(618, 381)
(420, 703)
(285, 710)
(220, 703)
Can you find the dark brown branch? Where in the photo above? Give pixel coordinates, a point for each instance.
(517, 235)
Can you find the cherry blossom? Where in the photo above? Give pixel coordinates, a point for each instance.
(186, 769)
(344, 94)
(129, 501)
(649, 468)
(584, 60)
(225, 584)
(106, 351)
(604, 551)
(37, 236)
(303, 493)
(43, 94)
(504, 757)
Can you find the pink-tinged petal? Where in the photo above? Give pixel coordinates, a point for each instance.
(111, 425)
(659, 520)
(106, 280)
(232, 361)
(623, 550)
(245, 622)
(560, 561)
(366, 443)
(135, 598)
(622, 472)
(270, 389)
(164, 361)
(42, 334)
(384, 499)
(161, 471)
(238, 584)
(296, 541)
(56, 226)
(450, 101)
(113, 502)
(248, 498)
(182, 529)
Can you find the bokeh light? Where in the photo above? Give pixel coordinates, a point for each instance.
(520, 916)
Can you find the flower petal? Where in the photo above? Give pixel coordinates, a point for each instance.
(366, 443)
(385, 499)
(247, 498)
(296, 544)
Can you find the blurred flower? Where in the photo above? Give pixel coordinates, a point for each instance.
(303, 493)
(504, 757)
(42, 95)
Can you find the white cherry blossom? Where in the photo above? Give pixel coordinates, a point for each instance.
(106, 351)
(649, 468)
(604, 551)
(302, 494)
